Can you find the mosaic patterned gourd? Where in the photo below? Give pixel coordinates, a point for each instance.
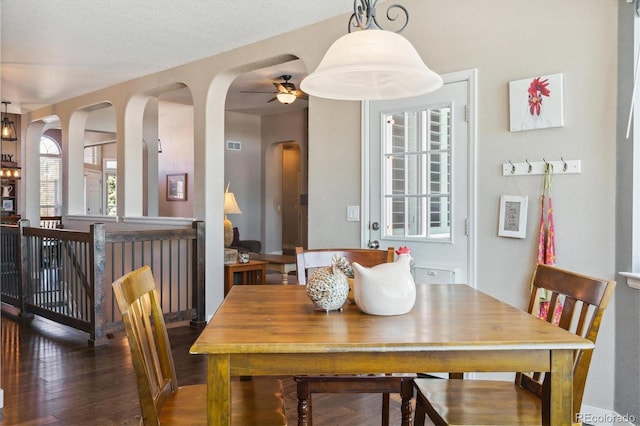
(343, 264)
(328, 287)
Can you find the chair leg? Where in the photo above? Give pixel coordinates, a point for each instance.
(420, 413)
(304, 404)
(385, 409)
(406, 394)
(424, 409)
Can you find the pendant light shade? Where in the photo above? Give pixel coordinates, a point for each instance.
(371, 65)
(8, 126)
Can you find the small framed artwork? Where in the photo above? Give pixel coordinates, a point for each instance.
(7, 205)
(177, 187)
(536, 103)
(513, 216)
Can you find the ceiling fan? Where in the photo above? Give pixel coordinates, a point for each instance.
(286, 91)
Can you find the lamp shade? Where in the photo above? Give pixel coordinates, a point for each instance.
(230, 204)
(371, 64)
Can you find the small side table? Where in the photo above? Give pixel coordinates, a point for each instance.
(253, 272)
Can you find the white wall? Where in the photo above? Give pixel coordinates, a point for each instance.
(175, 130)
(243, 169)
(627, 391)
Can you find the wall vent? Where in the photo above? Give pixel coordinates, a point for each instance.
(234, 146)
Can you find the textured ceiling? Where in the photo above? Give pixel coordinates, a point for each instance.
(52, 50)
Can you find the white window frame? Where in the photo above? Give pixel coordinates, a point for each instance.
(422, 191)
(92, 155)
(107, 171)
(57, 206)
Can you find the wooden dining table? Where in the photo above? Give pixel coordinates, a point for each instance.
(275, 330)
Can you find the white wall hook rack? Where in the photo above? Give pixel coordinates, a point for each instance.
(560, 167)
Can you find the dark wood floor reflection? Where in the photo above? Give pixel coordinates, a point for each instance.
(51, 376)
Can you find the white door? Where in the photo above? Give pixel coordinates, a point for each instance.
(93, 192)
(420, 195)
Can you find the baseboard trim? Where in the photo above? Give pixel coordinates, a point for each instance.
(600, 417)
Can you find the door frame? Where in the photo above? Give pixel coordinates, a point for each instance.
(470, 77)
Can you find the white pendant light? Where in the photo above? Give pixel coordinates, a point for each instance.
(371, 64)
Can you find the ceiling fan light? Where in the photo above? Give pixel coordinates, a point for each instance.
(286, 98)
(371, 65)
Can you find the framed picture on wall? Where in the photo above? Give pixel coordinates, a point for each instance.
(177, 187)
(7, 205)
(513, 216)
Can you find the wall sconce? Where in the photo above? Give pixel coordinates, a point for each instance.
(8, 126)
(371, 64)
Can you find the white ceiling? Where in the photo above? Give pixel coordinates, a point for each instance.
(52, 50)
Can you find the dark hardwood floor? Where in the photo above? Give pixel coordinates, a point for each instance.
(51, 376)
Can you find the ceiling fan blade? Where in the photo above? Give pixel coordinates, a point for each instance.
(251, 91)
(280, 88)
(300, 94)
(272, 99)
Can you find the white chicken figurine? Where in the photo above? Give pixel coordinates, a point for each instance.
(328, 287)
(385, 289)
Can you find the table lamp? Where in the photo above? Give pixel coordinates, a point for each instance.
(230, 207)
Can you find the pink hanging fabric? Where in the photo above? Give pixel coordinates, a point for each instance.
(547, 245)
(547, 232)
(542, 235)
(550, 249)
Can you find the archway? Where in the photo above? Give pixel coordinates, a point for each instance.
(256, 125)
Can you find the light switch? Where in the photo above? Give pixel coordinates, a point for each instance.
(353, 213)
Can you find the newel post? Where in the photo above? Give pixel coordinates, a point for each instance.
(23, 265)
(198, 275)
(97, 259)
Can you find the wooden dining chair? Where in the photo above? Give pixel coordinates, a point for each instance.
(465, 402)
(162, 401)
(307, 260)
